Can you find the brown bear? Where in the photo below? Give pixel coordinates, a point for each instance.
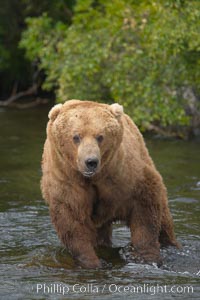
(96, 170)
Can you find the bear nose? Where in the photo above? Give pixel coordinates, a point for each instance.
(92, 163)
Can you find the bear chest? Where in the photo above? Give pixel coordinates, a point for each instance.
(112, 199)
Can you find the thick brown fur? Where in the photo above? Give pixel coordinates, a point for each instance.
(125, 186)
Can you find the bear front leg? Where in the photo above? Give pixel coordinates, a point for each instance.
(167, 236)
(145, 220)
(144, 239)
(78, 237)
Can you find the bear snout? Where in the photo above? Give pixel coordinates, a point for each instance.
(89, 157)
(91, 166)
(92, 163)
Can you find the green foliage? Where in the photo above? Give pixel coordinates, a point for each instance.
(138, 53)
(42, 42)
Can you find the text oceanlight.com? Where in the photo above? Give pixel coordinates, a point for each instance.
(64, 289)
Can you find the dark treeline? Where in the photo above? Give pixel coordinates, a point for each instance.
(16, 71)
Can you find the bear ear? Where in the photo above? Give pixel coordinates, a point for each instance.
(54, 111)
(117, 110)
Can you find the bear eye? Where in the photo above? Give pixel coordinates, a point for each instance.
(99, 138)
(76, 139)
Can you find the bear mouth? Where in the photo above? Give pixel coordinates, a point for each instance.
(88, 174)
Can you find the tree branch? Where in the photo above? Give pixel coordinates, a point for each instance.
(164, 132)
(36, 102)
(13, 98)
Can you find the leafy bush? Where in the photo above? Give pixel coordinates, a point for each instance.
(138, 53)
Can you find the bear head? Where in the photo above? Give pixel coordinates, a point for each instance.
(86, 134)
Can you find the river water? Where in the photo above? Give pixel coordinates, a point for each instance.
(34, 265)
